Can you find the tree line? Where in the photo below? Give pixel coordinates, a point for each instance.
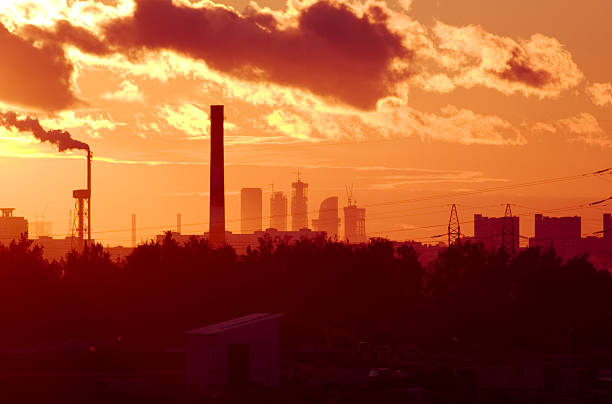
(377, 290)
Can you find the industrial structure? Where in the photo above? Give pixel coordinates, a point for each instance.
(354, 220)
(490, 231)
(278, 211)
(82, 211)
(299, 205)
(454, 228)
(251, 210)
(509, 233)
(328, 220)
(217, 178)
(236, 352)
(12, 227)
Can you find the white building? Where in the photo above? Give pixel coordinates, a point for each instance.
(236, 352)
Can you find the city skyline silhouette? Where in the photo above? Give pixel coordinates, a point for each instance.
(305, 201)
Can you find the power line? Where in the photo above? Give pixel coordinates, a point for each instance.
(411, 200)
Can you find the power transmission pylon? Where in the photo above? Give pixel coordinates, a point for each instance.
(454, 229)
(508, 235)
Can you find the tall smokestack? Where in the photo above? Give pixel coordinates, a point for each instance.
(89, 156)
(216, 235)
(134, 230)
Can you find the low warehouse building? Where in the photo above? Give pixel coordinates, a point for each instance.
(235, 352)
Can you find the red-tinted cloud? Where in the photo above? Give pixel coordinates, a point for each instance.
(330, 51)
(34, 77)
(66, 33)
(518, 70)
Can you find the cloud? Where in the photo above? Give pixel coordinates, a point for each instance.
(291, 125)
(35, 77)
(462, 126)
(66, 33)
(392, 119)
(324, 47)
(190, 119)
(544, 127)
(470, 56)
(433, 177)
(601, 94)
(583, 128)
(581, 124)
(128, 92)
(72, 120)
(354, 53)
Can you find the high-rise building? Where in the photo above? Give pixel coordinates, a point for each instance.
(251, 213)
(11, 227)
(299, 205)
(557, 228)
(607, 226)
(354, 224)
(216, 235)
(278, 211)
(561, 233)
(490, 231)
(328, 220)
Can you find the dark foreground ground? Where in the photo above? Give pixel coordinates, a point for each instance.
(158, 377)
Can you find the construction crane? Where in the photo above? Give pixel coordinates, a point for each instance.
(349, 195)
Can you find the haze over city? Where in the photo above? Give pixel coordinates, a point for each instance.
(420, 99)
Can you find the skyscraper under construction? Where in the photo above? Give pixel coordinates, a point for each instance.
(299, 205)
(354, 224)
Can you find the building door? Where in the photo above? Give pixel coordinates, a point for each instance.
(239, 364)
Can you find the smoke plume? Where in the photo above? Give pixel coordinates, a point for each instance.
(60, 138)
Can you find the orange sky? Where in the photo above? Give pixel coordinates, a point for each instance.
(405, 100)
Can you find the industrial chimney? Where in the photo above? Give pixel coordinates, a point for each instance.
(216, 235)
(89, 156)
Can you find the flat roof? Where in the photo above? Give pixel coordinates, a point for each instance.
(234, 323)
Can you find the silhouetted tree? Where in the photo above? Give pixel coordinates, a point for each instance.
(486, 300)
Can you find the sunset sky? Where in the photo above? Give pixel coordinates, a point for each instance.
(415, 103)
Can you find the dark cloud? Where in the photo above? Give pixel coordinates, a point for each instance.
(518, 71)
(66, 33)
(332, 52)
(37, 77)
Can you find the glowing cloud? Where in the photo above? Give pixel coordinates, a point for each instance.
(601, 94)
(128, 92)
(471, 56)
